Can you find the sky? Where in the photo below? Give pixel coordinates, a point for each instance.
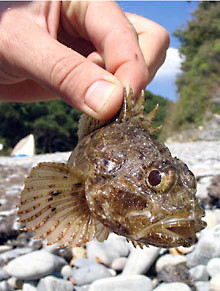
(171, 15)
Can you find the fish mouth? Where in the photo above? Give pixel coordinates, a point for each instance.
(172, 232)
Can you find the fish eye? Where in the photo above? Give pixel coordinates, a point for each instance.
(161, 178)
(154, 178)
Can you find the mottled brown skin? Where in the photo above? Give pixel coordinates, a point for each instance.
(115, 162)
(119, 179)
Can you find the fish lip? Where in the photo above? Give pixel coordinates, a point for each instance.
(172, 226)
(183, 229)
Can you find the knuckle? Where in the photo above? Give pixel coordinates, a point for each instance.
(163, 36)
(63, 70)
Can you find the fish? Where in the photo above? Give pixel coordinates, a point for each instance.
(117, 179)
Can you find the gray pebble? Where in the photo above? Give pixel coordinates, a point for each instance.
(35, 244)
(82, 288)
(202, 286)
(207, 248)
(88, 274)
(140, 260)
(53, 249)
(118, 243)
(211, 218)
(82, 262)
(12, 254)
(199, 273)
(65, 253)
(34, 265)
(169, 259)
(5, 248)
(4, 286)
(51, 283)
(119, 263)
(3, 275)
(123, 283)
(28, 287)
(213, 267)
(14, 190)
(66, 271)
(34, 160)
(202, 185)
(96, 249)
(172, 287)
(3, 201)
(109, 250)
(215, 283)
(15, 283)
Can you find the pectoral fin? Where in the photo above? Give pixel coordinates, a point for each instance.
(53, 204)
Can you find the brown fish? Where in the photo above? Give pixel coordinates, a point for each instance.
(118, 178)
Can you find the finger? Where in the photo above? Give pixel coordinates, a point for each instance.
(96, 59)
(64, 72)
(113, 36)
(153, 40)
(25, 91)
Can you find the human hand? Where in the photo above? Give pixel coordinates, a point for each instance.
(82, 52)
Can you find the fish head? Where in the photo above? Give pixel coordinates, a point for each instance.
(172, 215)
(146, 199)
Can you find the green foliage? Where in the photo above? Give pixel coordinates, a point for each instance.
(200, 45)
(54, 123)
(151, 100)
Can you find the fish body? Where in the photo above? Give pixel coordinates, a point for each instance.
(118, 178)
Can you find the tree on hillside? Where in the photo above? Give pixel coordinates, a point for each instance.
(53, 123)
(199, 82)
(150, 102)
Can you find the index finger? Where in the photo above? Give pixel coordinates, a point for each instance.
(114, 37)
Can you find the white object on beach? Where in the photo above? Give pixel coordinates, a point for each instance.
(25, 147)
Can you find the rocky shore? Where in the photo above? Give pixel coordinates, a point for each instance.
(30, 265)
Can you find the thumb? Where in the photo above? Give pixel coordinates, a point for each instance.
(78, 81)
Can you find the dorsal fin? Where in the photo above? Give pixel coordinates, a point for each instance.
(131, 107)
(88, 124)
(131, 110)
(134, 110)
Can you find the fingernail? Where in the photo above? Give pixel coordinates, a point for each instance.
(98, 93)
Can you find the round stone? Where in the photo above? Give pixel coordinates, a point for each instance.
(215, 283)
(88, 274)
(173, 287)
(34, 265)
(140, 260)
(119, 263)
(123, 283)
(199, 273)
(213, 267)
(52, 283)
(169, 260)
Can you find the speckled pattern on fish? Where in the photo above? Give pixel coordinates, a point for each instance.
(118, 178)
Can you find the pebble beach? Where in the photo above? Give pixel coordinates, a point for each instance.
(31, 265)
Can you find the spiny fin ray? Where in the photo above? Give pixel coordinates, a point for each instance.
(133, 110)
(135, 243)
(88, 125)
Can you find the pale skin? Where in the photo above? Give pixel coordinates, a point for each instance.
(83, 52)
